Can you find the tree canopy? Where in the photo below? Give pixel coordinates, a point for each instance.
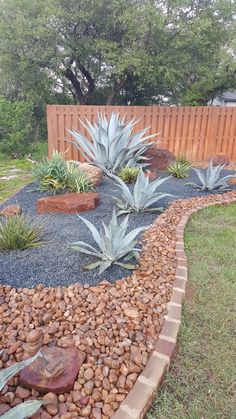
(116, 51)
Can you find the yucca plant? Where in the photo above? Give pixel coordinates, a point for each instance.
(113, 146)
(129, 174)
(55, 169)
(179, 169)
(28, 408)
(210, 179)
(20, 232)
(113, 244)
(183, 159)
(143, 196)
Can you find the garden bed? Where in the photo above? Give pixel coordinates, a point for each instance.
(55, 263)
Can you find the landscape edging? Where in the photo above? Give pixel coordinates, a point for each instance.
(140, 398)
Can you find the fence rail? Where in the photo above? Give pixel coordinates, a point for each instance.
(199, 132)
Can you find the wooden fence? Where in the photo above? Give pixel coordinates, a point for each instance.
(199, 132)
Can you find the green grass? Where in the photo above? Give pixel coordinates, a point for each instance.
(201, 381)
(20, 169)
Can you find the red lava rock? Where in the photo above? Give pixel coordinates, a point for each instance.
(72, 359)
(220, 158)
(152, 175)
(232, 181)
(68, 203)
(131, 312)
(10, 210)
(159, 159)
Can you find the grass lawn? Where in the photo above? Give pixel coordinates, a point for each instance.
(201, 381)
(15, 173)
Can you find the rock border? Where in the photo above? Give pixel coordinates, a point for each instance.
(140, 398)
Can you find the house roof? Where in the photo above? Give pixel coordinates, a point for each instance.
(228, 96)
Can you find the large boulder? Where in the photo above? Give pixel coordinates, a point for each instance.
(220, 158)
(68, 203)
(159, 159)
(94, 173)
(44, 374)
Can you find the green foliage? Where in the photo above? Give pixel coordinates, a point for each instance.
(211, 179)
(20, 232)
(26, 409)
(113, 145)
(128, 174)
(113, 244)
(58, 174)
(143, 196)
(137, 52)
(15, 127)
(179, 169)
(183, 159)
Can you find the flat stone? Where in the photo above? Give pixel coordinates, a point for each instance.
(159, 159)
(68, 203)
(10, 210)
(32, 376)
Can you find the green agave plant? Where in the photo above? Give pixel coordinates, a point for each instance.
(113, 145)
(179, 169)
(210, 179)
(28, 408)
(143, 196)
(128, 174)
(113, 244)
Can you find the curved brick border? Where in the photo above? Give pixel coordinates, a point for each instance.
(139, 399)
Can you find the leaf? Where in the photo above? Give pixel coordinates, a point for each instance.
(7, 373)
(23, 410)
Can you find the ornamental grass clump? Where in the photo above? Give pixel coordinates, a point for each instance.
(57, 174)
(210, 179)
(112, 145)
(143, 196)
(113, 244)
(179, 169)
(28, 408)
(129, 174)
(20, 232)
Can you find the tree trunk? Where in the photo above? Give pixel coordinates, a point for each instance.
(115, 90)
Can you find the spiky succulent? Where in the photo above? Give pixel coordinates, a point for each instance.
(179, 169)
(113, 145)
(28, 408)
(129, 174)
(210, 179)
(143, 196)
(113, 244)
(58, 174)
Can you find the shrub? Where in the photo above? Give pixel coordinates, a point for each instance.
(58, 174)
(20, 232)
(114, 244)
(179, 169)
(143, 196)
(128, 174)
(210, 179)
(113, 145)
(16, 122)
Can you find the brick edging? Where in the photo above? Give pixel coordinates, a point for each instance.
(140, 397)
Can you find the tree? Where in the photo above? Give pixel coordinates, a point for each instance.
(116, 51)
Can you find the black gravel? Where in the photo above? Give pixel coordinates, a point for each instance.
(55, 263)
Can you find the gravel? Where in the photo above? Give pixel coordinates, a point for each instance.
(55, 263)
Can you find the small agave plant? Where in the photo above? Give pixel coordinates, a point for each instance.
(113, 145)
(210, 179)
(28, 408)
(143, 196)
(114, 244)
